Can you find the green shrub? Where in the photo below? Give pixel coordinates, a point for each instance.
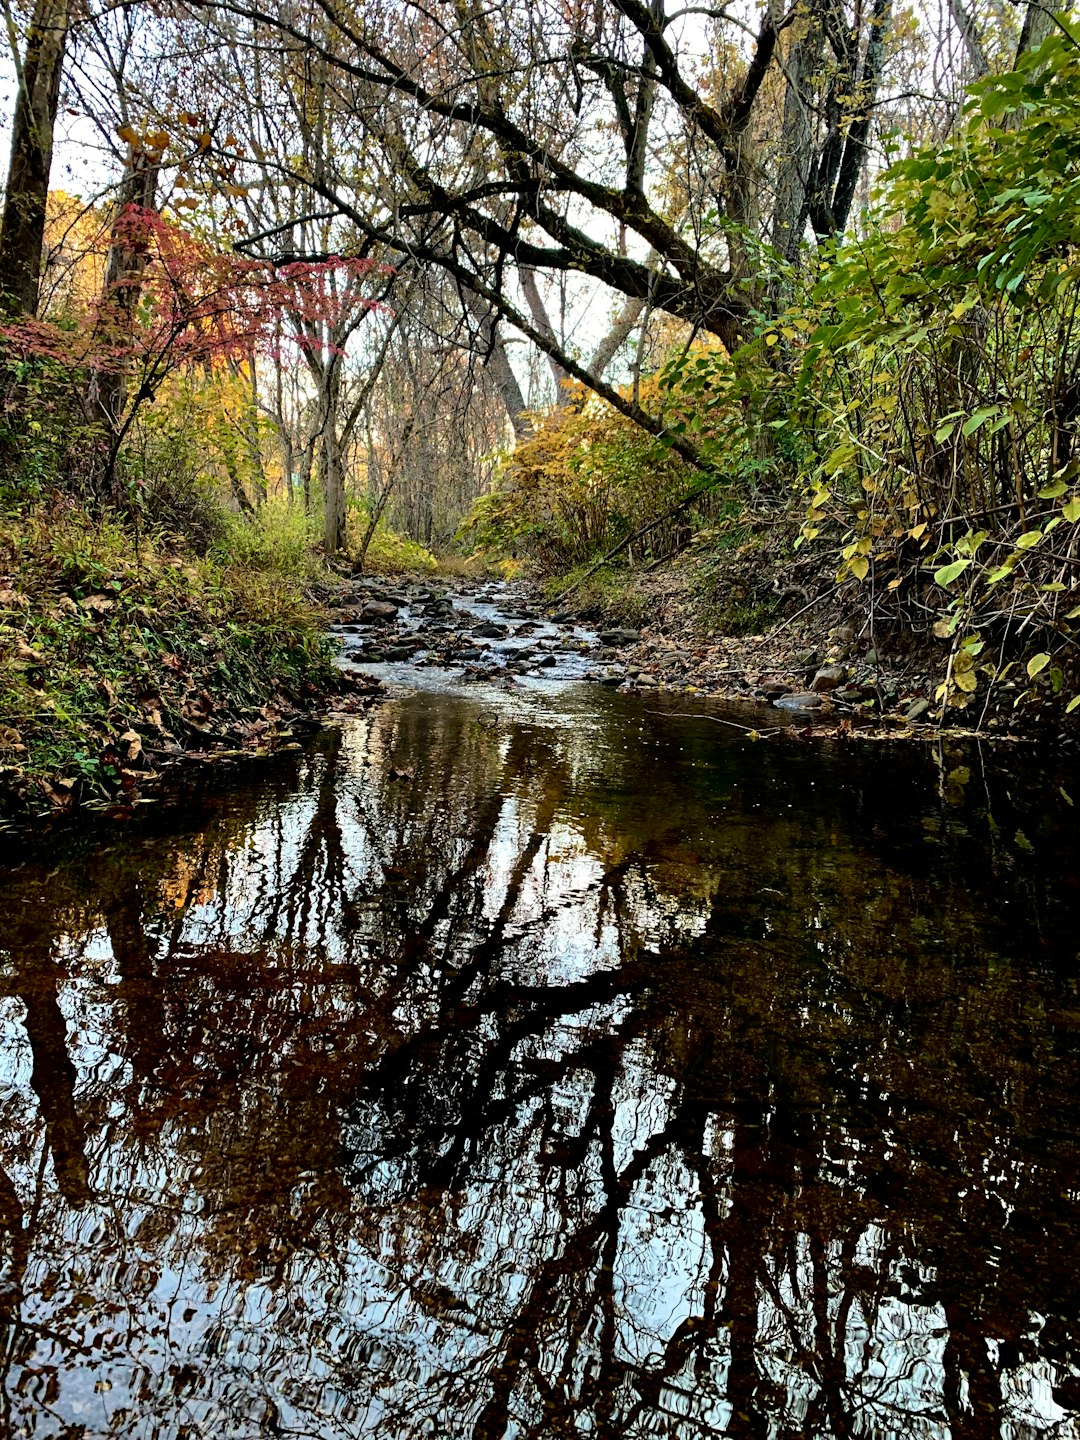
(279, 538)
(390, 554)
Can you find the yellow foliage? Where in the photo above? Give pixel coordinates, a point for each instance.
(586, 476)
(76, 246)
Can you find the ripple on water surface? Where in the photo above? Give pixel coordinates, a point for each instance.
(561, 1066)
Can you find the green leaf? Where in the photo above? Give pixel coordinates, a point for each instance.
(1073, 703)
(1037, 664)
(1029, 539)
(859, 565)
(1071, 509)
(1053, 490)
(980, 417)
(948, 573)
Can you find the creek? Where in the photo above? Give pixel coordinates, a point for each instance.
(531, 1059)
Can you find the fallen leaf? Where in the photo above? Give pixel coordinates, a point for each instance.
(96, 604)
(132, 742)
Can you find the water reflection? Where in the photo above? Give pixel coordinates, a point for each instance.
(600, 1075)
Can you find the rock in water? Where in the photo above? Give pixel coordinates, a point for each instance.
(619, 637)
(798, 702)
(379, 610)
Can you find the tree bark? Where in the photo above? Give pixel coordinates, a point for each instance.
(22, 230)
(498, 364)
(796, 142)
(122, 288)
(613, 341)
(538, 311)
(330, 464)
(1038, 24)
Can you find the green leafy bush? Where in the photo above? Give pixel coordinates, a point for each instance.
(940, 389)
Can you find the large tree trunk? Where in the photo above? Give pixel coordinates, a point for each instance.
(796, 139)
(22, 230)
(127, 259)
(1038, 24)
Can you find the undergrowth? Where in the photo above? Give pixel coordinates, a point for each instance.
(117, 649)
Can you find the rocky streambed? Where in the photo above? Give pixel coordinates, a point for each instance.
(431, 634)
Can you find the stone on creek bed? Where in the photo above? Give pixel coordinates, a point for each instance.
(619, 636)
(829, 677)
(799, 702)
(379, 610)
(489, 630)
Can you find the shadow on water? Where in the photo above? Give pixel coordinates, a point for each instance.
(602, 1074)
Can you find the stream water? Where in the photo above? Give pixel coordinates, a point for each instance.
(542, 1063)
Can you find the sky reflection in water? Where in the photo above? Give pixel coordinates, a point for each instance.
(609, 1076)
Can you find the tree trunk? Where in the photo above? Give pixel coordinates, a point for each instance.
(796, 141)
(616, 337)
(1038, 24)
(331, 470)
(538, 311)
(22, 230)
(121, 291)
(498, 364)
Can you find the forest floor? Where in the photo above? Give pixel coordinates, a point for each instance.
(122, 659)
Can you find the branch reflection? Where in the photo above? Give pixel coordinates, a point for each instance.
(569, 1084)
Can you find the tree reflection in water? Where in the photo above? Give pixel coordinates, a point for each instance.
(604, 1078)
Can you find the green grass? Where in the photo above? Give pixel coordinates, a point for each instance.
(614, 591)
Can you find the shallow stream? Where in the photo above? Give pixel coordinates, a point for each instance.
(549, 1062)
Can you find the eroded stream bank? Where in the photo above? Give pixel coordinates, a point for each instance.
(538, 1060)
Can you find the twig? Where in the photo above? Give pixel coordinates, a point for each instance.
(717, 720)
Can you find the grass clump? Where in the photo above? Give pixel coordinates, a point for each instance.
(614, 594)
(278, 539)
